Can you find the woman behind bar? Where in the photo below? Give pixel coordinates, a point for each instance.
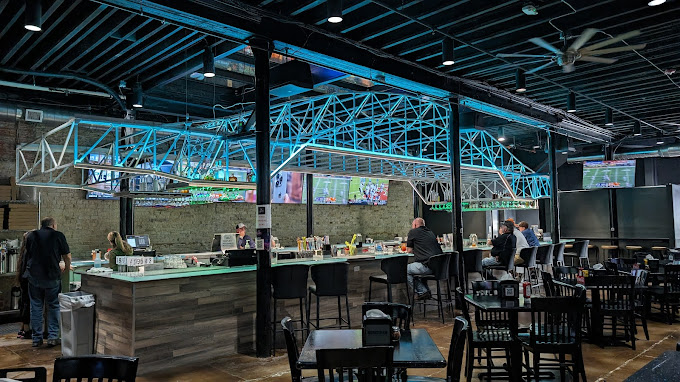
(25, 303)
(120, 248)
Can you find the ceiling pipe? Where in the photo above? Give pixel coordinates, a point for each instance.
(75, 77)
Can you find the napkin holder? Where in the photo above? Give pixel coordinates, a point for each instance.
(508, 290)
(376, 329)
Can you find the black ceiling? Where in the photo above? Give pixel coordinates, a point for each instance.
(109, 45)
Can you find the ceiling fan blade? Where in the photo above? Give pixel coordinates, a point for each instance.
(613, 50)
(601, 60)
(523, 55)
(613, 40)
(543, 44)
(585, 36)
(534, 70)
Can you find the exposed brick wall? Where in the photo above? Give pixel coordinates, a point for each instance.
(86, 222)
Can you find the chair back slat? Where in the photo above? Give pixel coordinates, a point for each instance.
(400, 313)
(89, 367)
(369, 363)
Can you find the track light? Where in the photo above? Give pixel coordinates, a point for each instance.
(137, 96)
(654, 3)
(334, 11)
(659, 138)
(520, 81)
(571, 102)
(501, 135)
(608, 117)
(637, 129)
(448, 56)
(33, 15)
(208, 63)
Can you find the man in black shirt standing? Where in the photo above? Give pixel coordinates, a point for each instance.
(422, 242)
(44, 249)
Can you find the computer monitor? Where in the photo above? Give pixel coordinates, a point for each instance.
(138, 241)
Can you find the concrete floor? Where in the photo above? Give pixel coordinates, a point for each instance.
(609, 364)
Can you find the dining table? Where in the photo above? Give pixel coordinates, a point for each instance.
(415, 349)
(665, 367)
(513, 307)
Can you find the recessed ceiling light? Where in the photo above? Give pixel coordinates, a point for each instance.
(654, 3)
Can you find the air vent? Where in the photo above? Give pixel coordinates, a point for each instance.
(33, 115)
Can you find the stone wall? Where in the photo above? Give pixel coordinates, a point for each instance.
(174, 230)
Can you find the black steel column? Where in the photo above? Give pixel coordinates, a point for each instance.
(125, 205)
(310, 205)
(554, 195)
(262, 51)
(613, 209)
(456, 195)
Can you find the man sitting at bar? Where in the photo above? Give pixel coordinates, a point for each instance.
(422, 242)
(503, 246)
(243, 239)
(529, 234)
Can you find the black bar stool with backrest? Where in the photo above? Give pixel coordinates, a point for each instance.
(395, 273)
(330, 280)
(508, 268)
(596, 251)
(472, 261)
(565, 274)
(580, 252)
(544, 256)
(439, 264)
(530, 269)
(454, 277)
(289, 282)
(558, 255)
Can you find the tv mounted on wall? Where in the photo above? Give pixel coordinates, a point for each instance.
(609, 174)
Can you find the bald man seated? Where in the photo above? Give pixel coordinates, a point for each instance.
(422, 242)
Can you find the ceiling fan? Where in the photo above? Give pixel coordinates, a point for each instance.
(576, 52)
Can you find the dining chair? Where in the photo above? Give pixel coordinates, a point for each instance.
(668, 295)
(287, 325)
(367, 364)
(614, 299)
(492, 334)
(95, 367)
(400, 313)
(39, 374)
(641, 297)
(455, 359)
(565, 274)
(556, 330)
(548, 284)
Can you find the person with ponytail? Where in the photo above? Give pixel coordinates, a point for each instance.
(120, 248)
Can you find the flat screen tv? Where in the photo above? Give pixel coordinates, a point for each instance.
(368, 191)
(609, 174)
(331, 189)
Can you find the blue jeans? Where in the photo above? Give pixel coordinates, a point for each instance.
(489, 261)
(44, 294)
(416, 285)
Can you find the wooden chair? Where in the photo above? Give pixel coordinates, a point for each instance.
(614, 298)
(456, 349)
(368, 364)
(92, 368)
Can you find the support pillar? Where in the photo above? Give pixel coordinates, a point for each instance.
(310, 205)
(126, 217)
(613, 209)
(262, 50)
(554, 195)
(456, 195)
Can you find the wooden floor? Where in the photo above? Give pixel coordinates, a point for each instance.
(609, 364)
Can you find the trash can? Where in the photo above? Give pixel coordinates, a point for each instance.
(77, 323)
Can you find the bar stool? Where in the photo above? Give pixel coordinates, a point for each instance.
(609, 248)
(580, 252)
(659, 252)
(395, 273)
(439, 264)
(330, 280)
(472, 263)
(630, 250)
(289, 282)
(530, 272)
(559, 255)
(596, 250)
(544, 255)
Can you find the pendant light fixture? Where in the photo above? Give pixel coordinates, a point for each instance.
(571, 102)
(659, 138)
(637, 129)
(520, 81)
(208, 62)
(608, 117)
(334, 11)
(501, 135)
(137, 96)
(448, 56)
(33, 15)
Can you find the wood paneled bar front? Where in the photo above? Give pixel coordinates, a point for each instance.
(178, 317)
